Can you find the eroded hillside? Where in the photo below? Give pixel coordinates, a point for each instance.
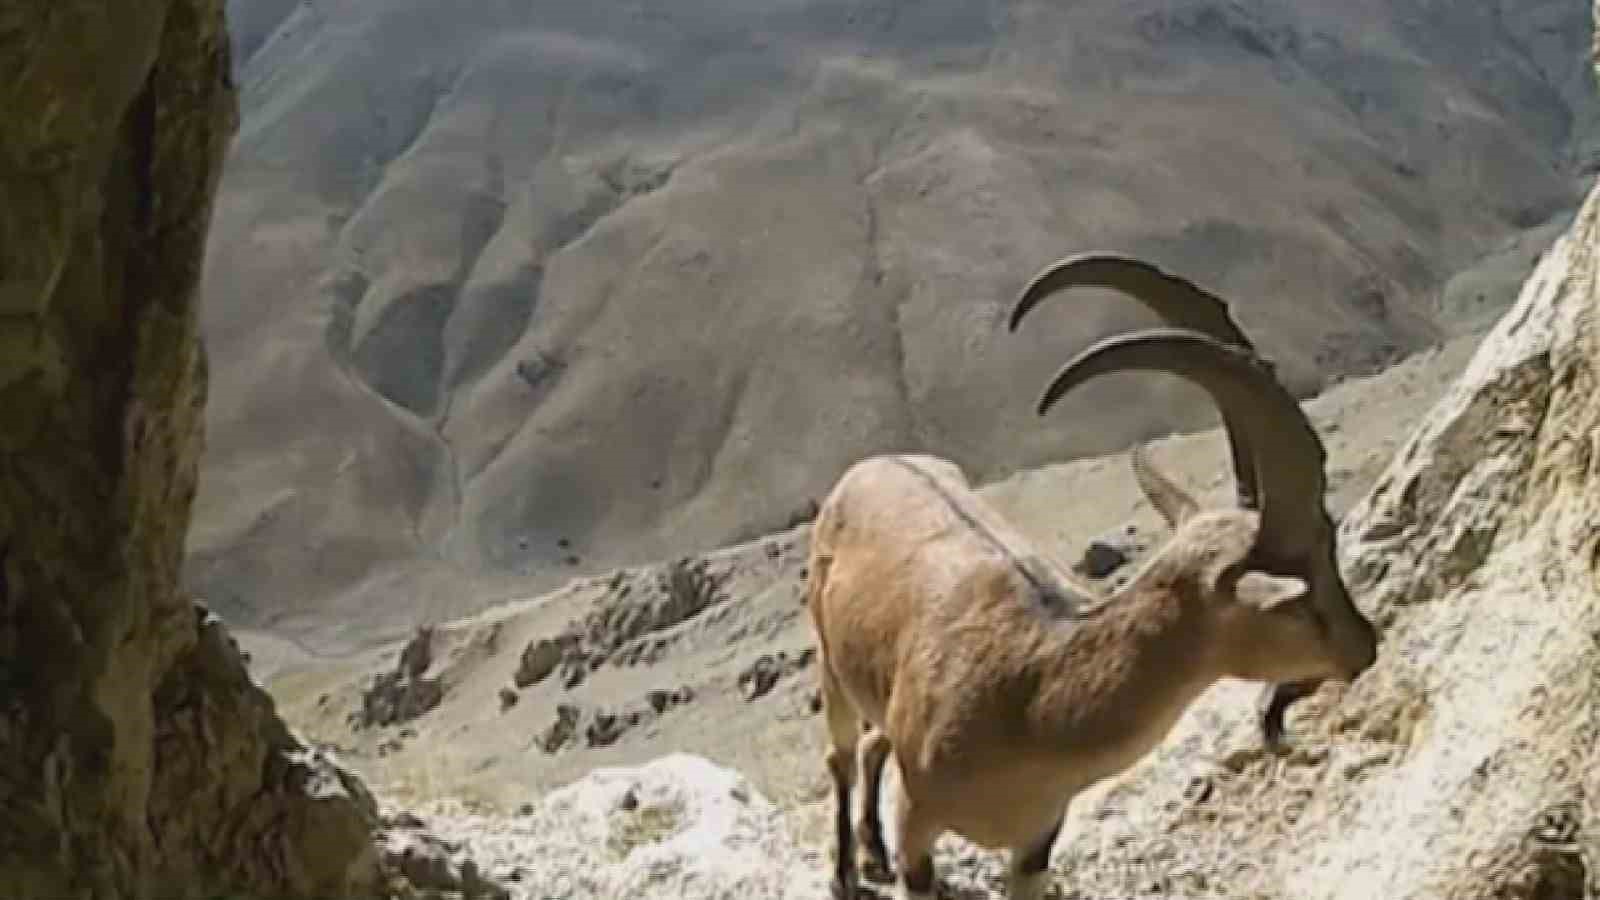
(504, 293)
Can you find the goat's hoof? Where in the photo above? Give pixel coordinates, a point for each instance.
(843, 890)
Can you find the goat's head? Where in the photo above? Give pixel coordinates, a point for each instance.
(1278, 458)
(1257, 621)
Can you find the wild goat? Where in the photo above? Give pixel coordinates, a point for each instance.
(1302, 539)
(1003, 686)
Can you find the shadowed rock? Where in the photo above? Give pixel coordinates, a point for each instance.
(137, 756)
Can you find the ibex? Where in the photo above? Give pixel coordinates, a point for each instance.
(1001, 684)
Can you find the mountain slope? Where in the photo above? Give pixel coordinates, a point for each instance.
(502, 294)
(1469, 532)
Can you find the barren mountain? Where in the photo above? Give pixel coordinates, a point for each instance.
(503, 293)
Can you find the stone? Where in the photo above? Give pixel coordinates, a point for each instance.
(1107, 554)
(138, 758)
(541, 657)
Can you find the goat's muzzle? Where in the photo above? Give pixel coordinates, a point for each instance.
(1279, 698)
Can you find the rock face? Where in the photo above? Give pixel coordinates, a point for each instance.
(547, 288)
(1465, 764)
(137, 757)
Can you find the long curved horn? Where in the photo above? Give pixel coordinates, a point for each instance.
(1179, 302)
(1171, 501)
(1278, 457)
(1287, 453)
(1229, 374)
(1296, 532)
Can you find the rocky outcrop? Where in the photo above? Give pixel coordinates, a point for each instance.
(604, 727)
(632, 624)
(405, 692)
(239, 803)
(137, 756)
(1464, 765)
(759, 678)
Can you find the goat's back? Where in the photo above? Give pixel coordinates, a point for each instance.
(902, 553)
(911, 500)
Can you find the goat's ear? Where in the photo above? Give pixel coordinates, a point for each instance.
(1264, 591)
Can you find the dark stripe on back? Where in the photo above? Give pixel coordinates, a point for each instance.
(1049, 593)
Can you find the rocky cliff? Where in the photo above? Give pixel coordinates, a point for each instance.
(137, 757)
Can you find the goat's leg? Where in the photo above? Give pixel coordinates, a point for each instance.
(872, 754)
(914, 837)
(844, 732)
(1029, 875)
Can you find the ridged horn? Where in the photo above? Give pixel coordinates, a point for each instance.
(1285, 450)
(1179, 302)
